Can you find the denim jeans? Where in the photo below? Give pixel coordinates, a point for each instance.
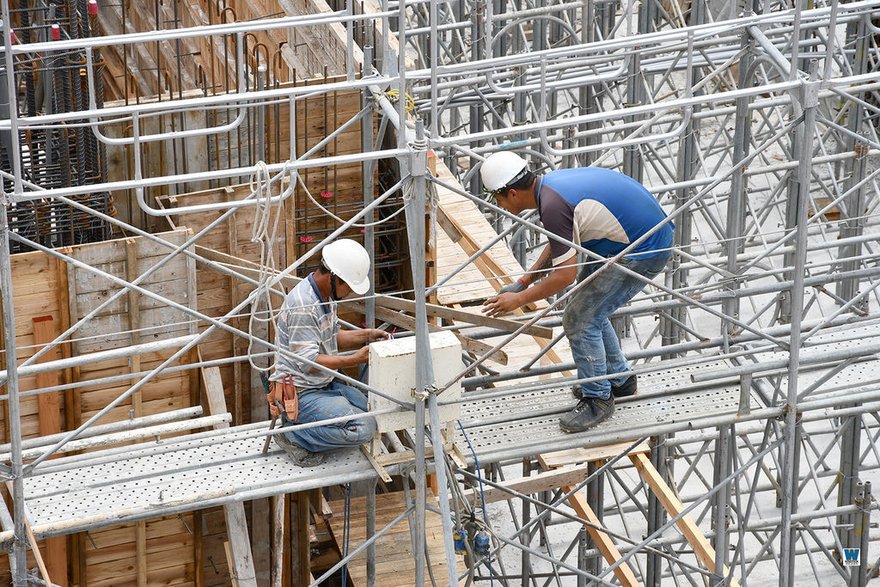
(331, 401)
(594, 344)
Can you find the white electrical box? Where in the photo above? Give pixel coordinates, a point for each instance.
(393, 372)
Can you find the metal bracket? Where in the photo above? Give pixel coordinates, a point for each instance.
(810, 93)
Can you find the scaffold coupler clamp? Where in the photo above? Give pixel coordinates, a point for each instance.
(419, 151)
(422, 395)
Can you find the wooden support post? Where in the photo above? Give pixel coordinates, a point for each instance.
(198, 549)
(695, 537)
(50, 423)
(241, 562)
(75, 418)
(62, 326)
(49, 403)
(261, 511)
(299, 543)
(237, 403)
(277, 539)
(141, 554)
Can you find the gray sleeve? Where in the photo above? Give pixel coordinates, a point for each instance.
(557, 215)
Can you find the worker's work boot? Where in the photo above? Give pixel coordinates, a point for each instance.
(589, 412)
(625, 389)
(299, 455)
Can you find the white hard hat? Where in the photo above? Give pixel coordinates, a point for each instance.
(500, 169)
(350, 262)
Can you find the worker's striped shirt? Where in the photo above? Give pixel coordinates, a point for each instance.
(307, 326)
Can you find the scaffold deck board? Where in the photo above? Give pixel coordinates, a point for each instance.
(194, 477)
(182, 474)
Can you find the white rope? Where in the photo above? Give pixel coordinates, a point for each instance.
(263, 232)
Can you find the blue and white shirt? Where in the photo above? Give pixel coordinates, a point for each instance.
(601, 209)
(307, 326)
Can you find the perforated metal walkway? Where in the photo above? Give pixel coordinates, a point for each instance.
(71, 494)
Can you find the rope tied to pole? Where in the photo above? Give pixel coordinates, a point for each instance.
(264, 232)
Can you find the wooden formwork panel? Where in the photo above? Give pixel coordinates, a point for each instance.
(218, 294)
(49, 295)
(134, 318)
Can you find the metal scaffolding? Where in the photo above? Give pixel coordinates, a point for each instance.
(755, 124)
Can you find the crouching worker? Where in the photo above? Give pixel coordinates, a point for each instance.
(309, 328)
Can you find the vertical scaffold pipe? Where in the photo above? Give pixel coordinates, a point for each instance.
(801, 188)
(415, 223)
(14, 411)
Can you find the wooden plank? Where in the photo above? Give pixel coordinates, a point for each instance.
(231, 562)
(468, 344)
(249, 269)
(603, 542)
(571, 456)
(695, 537)
(491, 269)
(239, 548)
(44, 573)
(458, 315)
(543, 481)
(579, 503)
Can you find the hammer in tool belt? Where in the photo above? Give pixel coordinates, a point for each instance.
(289, 406)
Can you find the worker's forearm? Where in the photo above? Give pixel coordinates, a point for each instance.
(349, 339)
(338, 361)
(534, 274)
(553, 284)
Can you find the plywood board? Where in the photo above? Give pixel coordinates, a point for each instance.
(394, 554)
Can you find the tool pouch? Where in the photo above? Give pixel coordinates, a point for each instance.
(283, 395)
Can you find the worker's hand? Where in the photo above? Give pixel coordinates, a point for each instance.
(503, 303)
(361, 356)
(374, 334)
(515, 287)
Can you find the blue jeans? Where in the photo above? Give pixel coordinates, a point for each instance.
(331, 401)
(594, 344)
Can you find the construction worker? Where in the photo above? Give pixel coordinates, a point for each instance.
(604, 211)
(309, 328)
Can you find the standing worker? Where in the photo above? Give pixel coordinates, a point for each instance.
(604, 211)
(309, 328)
